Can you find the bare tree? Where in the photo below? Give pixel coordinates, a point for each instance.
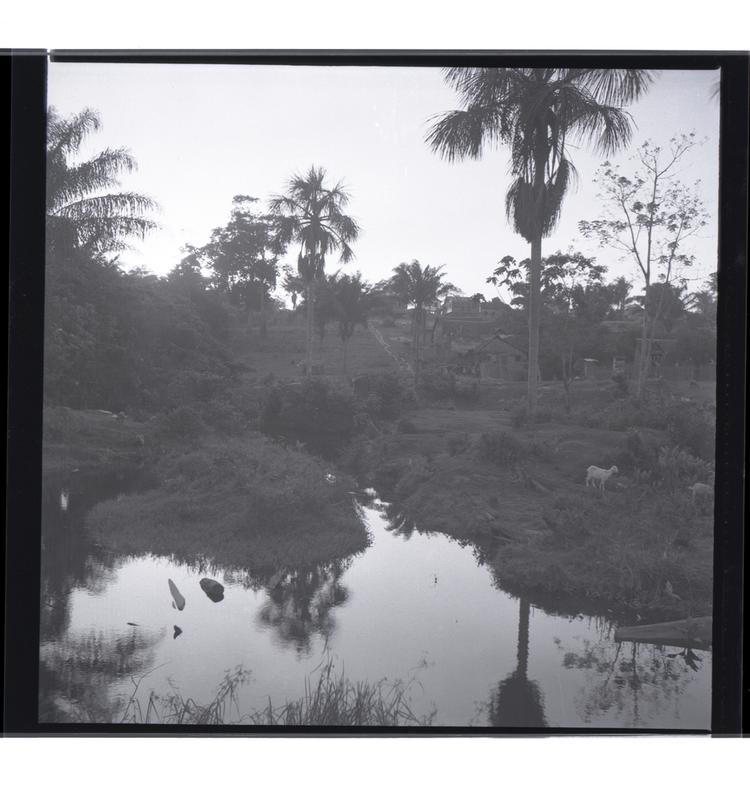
(649, 217)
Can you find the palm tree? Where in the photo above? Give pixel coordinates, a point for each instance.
(312, 214)
(81, 214)
(620, 294)
(537, 112)
(420, 288)
(353, 303)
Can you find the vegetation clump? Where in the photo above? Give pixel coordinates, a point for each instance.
(244, 502)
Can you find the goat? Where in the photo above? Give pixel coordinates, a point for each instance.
(597, 475)
(702, 491)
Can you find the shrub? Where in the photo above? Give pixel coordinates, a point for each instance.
(309, 410)
(677, 468)
(419, 471)
(693, 430)
(501, 448)
(568, 521)
(222, 416)
(640, 453)
(184, 421)
(437, 384)
(384, 395)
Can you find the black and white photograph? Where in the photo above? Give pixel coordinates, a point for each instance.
(379, 396)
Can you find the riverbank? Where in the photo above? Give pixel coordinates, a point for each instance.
(234, 501)
(639, 550)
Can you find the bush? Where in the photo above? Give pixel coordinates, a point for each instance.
(676, 468)
(309, 410)
(184, 421)
(384, 395)
(693, 430)
(222, 416)
(437, 384)
(264, 505)
(640, 453)
(420, 470)
(501, 448)
(568, 521)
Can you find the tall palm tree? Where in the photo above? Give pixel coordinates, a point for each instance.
(419, 288)
(81, 213)
(537, 112)
(312, 214)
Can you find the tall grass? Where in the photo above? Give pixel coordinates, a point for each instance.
(331, 699)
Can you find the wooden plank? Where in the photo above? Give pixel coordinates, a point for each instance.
(689, 633)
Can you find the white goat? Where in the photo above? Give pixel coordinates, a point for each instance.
(598, 476)
(702, 491)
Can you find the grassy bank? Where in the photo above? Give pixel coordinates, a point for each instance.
(639, 548)
(329, 698)
(245, 502)
(87, 440)
(240, 501)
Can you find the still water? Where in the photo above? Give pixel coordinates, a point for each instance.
(415, 606)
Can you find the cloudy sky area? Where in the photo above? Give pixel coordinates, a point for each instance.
(204, 133)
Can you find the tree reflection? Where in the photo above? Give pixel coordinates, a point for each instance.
(76, 673)
(518, 701)
(396, 520)
(300, 603)
(626, 678)
(68, 560)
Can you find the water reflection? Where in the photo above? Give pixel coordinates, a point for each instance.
(410, 595)
(76, 673)
(628, 679)
(518, 701)
(300, 604)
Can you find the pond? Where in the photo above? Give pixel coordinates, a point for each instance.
(415, 607)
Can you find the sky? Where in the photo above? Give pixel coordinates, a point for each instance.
(202, 134)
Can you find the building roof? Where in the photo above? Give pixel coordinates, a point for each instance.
(490, 343)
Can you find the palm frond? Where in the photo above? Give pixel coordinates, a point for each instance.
(463, 133)
(89, 176)
(615, 87)
(65, 136)
(129, 204)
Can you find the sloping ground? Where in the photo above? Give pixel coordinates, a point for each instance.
(236, 500)
(632, 549)
(283, 352)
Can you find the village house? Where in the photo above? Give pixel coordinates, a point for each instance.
(468, 336)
